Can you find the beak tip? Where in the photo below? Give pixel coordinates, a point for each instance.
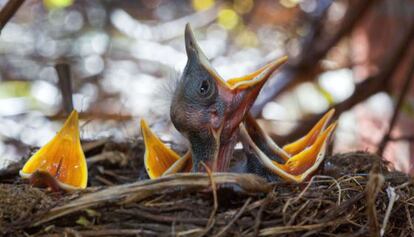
(279, 62)
(189, 37)
(74, 115)
(283, 59)
(144, 128)
(143, 123)
(188, 28)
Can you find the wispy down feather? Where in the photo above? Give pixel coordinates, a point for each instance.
(165, 92)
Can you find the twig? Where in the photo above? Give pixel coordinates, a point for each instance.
(402, 138)
(109, 232)
(104, 180)
(404, 90)
(260, 213)
(211, 219)
(65, 85)
(273, 231)
(375, 182)
(364, 90)
(353, 15)
(311, 54)
(8, 11)
(393, 197)
(161, 218)
(410, 220)
(114, 157)
(143, 189)
(236, 216)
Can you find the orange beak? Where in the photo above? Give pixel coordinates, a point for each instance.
(62, 158)
(299, 145)
(302, 158)
(159, 160)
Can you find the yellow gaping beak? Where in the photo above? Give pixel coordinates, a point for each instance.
(299, 145)
(258, 77)
(307, 153)
(159, 160)
(62, 158)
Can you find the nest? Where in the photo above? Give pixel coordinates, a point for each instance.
(347, 197)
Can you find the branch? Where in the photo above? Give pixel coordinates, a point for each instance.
(65, 85)
(121, 194)
(312, 52)
(401, 98)
(409, 138)
(363, 90)
(8, 11)
(321, 48)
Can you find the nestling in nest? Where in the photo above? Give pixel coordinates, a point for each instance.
(213, 114)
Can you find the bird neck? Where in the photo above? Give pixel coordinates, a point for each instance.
(215, 153)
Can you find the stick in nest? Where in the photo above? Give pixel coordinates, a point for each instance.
(211, 220)
(375, 182)
(139, 190)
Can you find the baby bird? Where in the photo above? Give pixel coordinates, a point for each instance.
(213, 114)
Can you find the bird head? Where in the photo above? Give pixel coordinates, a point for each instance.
(208, 110)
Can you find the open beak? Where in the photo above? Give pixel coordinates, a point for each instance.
(310, 150)
(240, 93)
(255, 79)
(236, 94)
(299, 145)
(159, 159)
(61, 159)
(271, 149)
(263, 141)
(244, 90)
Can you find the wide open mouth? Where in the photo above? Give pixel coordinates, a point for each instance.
(194, 52)
(257, 77)
(309, 151)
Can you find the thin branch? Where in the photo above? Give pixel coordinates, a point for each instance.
(8, 11)
(375, 182)
(321, 48)
(312, 52)
(65, 85)
(211, 219)
(409, 138)
(234, 219)
(401, 98)
(122, 194)
(364, 90)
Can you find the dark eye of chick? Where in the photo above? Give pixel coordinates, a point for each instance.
(204, 88)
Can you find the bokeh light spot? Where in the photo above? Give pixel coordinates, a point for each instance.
(247, 38)
(228, 18)
(289, 3)
(200, 5)
(243, 6)
(53, 4)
